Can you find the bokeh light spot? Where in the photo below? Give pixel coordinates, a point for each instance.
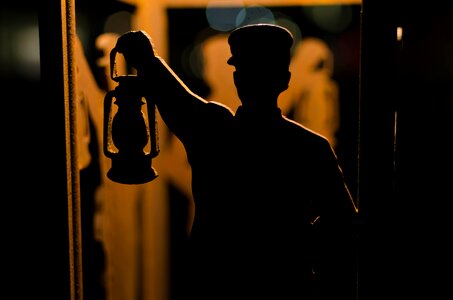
(254, 14)
(221, 15)
(332, 18)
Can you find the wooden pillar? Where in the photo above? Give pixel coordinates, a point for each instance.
(55, 176)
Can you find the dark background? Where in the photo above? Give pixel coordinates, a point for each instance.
(405, 195)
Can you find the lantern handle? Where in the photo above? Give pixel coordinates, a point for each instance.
(113, 74)
(107, 121)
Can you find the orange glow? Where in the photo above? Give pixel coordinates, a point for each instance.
(198, 3)
(399, 33)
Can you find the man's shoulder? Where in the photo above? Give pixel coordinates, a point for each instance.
(304, 132)
(219, 110)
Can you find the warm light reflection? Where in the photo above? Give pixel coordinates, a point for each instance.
(399, 33)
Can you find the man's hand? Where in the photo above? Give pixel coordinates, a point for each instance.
(137, 48)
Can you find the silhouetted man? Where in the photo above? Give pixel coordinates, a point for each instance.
(273, 216)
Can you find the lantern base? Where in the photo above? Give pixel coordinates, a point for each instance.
(132, 171)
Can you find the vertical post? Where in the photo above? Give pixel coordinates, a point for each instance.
(61, 231)
(376, 150)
